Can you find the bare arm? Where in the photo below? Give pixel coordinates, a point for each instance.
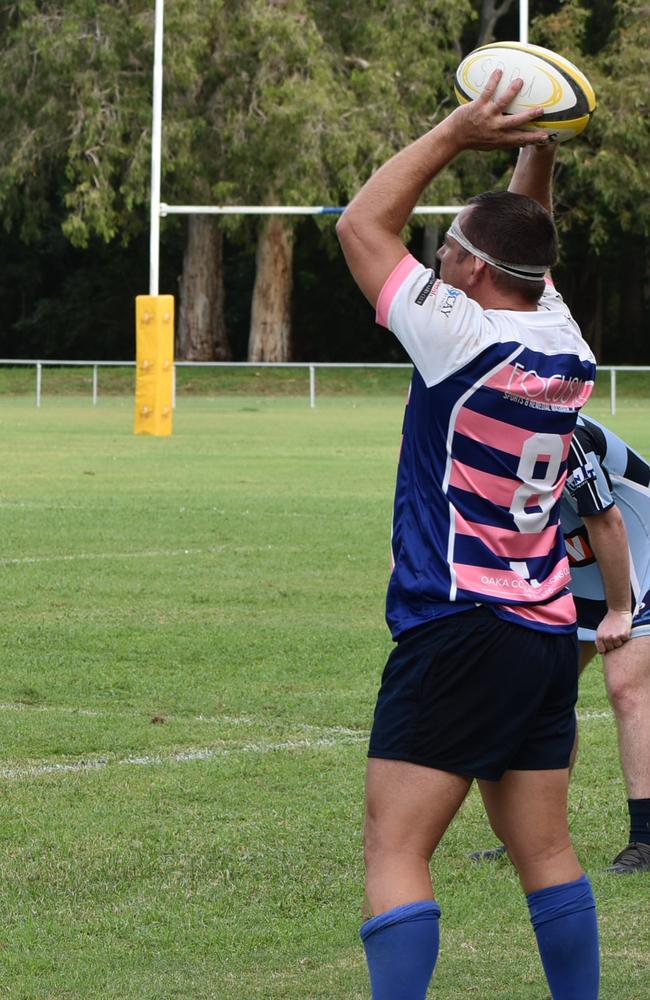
(608, 540)
(369, 229)
(533, 174)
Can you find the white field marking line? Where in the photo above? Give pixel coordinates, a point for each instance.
(147, 554)
(230, 720)
(345, 738)
(180, 757)
(217, 720)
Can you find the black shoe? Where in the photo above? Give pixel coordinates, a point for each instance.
(492, 854)
(635, 858)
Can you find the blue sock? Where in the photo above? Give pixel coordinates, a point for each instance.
(401, 950)
(564, 918)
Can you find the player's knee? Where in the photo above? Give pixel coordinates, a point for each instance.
(540, 854)
(625, 693)
(384, 844)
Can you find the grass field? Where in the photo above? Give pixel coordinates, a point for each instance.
(191, 642)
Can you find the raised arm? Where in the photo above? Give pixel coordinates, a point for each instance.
(533, 175)
(369, 229)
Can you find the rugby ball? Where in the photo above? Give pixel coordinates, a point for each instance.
(550, 82)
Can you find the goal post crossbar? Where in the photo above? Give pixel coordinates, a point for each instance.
(287, 209)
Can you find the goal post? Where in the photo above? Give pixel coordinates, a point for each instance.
(155, 400)
(154, 312)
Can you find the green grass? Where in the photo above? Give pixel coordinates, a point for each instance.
(193, 627)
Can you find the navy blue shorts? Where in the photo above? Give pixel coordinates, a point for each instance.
(477, 696)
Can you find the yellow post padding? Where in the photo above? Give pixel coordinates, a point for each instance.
(154, 380)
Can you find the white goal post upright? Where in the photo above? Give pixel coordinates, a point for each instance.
(156, 150)
(523, 21)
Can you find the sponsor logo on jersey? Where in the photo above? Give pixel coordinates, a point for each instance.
(431, 285)
(551, 389)
(578, 550)
(449, 301)
(583, 474)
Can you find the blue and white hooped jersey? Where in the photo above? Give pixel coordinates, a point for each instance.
(604, 471)
(492, 407)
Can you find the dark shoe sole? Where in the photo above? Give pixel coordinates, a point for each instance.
(633, 860)
(492, 854)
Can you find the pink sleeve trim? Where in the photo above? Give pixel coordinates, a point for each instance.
(392, 285)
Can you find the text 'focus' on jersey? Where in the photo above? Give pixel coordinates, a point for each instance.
(604, 471)
(492, 406)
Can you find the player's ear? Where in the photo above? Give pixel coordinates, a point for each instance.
(479, 271)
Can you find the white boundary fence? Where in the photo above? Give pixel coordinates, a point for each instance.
(311, 367)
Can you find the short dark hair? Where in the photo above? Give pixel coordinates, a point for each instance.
(516, 229)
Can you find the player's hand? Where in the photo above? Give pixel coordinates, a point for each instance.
(613, 631)
(484, 124)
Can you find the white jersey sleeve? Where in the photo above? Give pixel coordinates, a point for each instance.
(438, 325)
(552, 301)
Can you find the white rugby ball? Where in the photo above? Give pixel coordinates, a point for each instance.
(550, 82)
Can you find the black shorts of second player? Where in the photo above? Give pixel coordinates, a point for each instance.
(477, 696)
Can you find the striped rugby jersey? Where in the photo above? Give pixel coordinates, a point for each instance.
(602, 471)
(492, 406)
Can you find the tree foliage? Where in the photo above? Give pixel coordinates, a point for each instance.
(298, 101)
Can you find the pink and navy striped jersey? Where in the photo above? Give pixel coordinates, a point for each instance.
(492, 406)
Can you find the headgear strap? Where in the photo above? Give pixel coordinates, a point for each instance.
(530, 272)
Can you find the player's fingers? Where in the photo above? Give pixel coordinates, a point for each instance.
(509, 94)
(610, 643)
(521, 118)
(532, 139)
(490, 87)
(512, 139)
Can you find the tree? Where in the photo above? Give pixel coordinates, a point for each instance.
(296, 101)
(604, 176)
(265, 101)
(293, 118)
(77, 125)
(274, 101)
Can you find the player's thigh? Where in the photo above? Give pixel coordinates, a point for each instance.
(627, 669)
(528, 809)
(409, 806)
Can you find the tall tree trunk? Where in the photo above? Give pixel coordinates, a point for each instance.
(270, 330)
(491, 11)
(201, 323)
